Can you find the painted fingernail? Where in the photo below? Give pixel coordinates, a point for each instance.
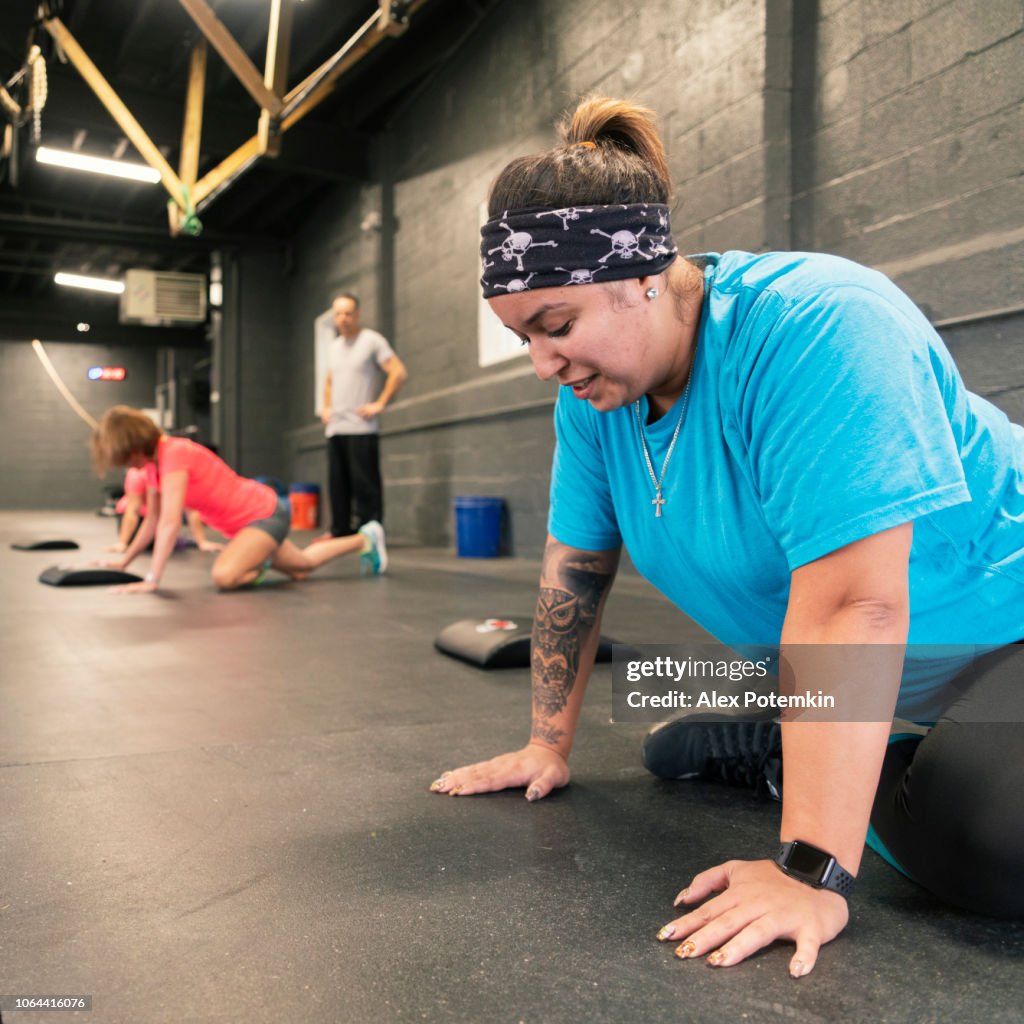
(717, 959)
(798, 969)
(668, 932)
(532, 794)
(455, 792)
(686, 950)
(681, 897)
(435, 786)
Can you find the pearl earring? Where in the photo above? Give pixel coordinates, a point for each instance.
(651, 293)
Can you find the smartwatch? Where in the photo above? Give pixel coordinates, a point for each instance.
(808, 864)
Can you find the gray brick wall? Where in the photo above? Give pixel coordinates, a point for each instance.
(988, 355)
(702, 66)
(44, 453)
(888, 131)
(255, 350)
(506, 456)
(265, 365)
(913, 162)
(884, 130)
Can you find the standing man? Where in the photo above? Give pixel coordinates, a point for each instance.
(356, 358)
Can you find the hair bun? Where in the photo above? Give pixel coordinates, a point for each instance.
(610, 153)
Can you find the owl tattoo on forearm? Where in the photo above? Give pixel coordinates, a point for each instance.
(564, 621)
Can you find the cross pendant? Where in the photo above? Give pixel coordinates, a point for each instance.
(657, 502)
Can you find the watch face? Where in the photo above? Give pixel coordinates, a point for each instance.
(808, 862)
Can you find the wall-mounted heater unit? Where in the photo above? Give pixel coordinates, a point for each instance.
(157, 297)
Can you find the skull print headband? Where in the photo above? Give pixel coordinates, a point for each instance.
(523, 250)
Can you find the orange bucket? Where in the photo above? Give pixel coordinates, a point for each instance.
(305, 502)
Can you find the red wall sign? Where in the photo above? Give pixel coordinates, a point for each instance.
(107, 373)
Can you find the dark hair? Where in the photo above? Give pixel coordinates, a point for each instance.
(611, 152)
(346, 295)
(121, 433)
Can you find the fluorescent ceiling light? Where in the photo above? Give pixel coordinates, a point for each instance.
(96, 164)
(96, 284)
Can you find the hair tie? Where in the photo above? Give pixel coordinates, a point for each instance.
(586, 145)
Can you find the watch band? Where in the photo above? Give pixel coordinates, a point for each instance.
(816, 867)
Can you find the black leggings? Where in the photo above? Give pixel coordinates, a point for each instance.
(950, 807)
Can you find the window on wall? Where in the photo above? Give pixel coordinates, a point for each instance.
(323, 334)
(495, 342)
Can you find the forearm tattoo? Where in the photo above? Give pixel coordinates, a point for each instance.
(573, 585)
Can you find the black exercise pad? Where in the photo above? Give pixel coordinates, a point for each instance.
(44, 544)
(499, 642)
(69, 576)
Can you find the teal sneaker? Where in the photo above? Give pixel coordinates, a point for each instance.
(375, 558)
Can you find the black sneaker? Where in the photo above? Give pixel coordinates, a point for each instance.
(739, 753)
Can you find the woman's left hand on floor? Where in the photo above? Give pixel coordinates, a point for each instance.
(755, 905)
(145, 587)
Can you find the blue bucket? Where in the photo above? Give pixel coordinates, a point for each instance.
(272, 482)
(478, 526)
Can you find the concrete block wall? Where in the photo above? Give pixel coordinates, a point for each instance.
(885, 130)
(44, 445)
(253, 348)
(459, 428)
(503, 456)
(725, 93)
(264, 364)
(988, 355)
(911, 161)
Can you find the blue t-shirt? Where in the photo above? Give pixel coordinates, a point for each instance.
(823, 408)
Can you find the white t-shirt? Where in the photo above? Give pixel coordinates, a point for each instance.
(355, 367)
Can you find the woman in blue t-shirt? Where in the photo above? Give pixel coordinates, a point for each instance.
(787, 451)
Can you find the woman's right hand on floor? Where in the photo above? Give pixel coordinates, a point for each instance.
(537, 767)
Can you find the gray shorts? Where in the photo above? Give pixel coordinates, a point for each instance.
(278, 523)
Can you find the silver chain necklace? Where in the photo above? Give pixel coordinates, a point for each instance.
(658, 500)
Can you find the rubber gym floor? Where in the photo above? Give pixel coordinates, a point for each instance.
(215, 808)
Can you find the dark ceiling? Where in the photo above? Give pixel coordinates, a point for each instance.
(54, 219)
